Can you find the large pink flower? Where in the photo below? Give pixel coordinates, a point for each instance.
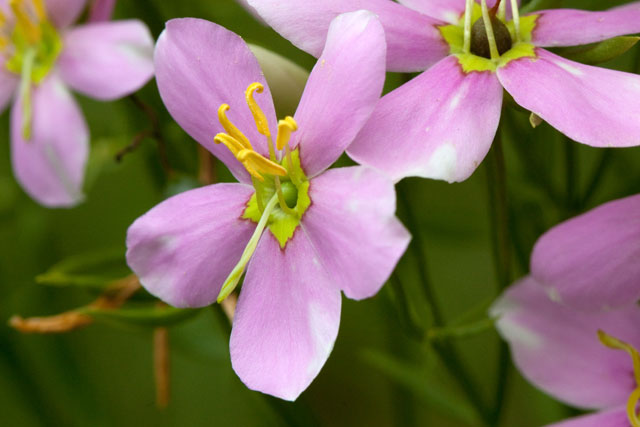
(41, 56)
(590, 262)
(574, 356)
(441, 124)
(303, 233)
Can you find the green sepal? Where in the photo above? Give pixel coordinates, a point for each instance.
(281, 224)
(597, 53)
(146, 315)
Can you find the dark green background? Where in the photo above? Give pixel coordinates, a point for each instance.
(377, 375)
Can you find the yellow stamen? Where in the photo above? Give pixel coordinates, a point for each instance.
(4, 42)
(261, 120)
(493, 49)
(466, 48)
(230, 142)
(516, 18)
(617, 344)
(230, 127)
(285, 128)
(3, 18)
(31, 29)
(40, 9)
(257, 163)
(632, 403)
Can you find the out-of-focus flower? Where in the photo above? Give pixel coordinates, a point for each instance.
(590, 262)
(101, 10)
(303, 233)
(42, 55)
(575, 356)
(450, 113)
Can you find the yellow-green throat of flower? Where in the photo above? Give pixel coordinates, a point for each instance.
(634, 397)
(282, 188)
(31, 45)
(484, 40)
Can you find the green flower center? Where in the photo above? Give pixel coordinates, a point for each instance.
(510, 39)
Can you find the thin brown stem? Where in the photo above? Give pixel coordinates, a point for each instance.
(161, 366)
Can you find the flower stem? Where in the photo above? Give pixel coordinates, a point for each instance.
(497, 186)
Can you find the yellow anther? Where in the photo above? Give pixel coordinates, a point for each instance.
(230, 142)
(230, 127)
(261, 120)
(256, 164)
(285, 128)
(32, 30)
(3, 19)
(617, 344)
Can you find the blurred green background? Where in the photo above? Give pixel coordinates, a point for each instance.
(381, 372)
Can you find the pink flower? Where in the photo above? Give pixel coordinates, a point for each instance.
(590, 262)
(575, 356)
(441, 124)
(42, 55)
(302, 232)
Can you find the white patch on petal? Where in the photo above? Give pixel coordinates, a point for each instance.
(518, 334)
(569, 68)
(321, 330)
(458, 96)
(353, 206)
(451, 16)
(442, 163)
(554, 295)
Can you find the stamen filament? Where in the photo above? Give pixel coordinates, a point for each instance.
(632, 403)
(293, 176)
(502, 10)
(491, 38)
(230, 128)
(237, 272)
(467, 26)
(25, 92)
(516, 18)
(40, 9)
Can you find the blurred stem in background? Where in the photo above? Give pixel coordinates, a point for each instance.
(500, 239)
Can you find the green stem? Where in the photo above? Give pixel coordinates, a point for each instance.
(445, 351)
(499, 213)
(461, 331)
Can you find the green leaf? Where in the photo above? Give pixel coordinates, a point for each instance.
(94, 270)
(597, 53)
(148, 316)
(424, 384)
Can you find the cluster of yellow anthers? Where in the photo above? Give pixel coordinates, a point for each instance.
(29, 15)
(634, 397)
(240, 145)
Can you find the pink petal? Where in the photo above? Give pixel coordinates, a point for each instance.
(352, 225)
(251, 10)
(50, 165)
(286, 320)
(64, 12)
(570, 27)
(200, 66)
(101, 10)
(439, 125)
(8, 85)
(342, 90)
(591, 261)
(591, 105)
(612, 418)
(558, 349)
(107, 60)
(184, 248)
(413, 41)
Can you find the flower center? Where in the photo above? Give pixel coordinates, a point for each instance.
(29, 47)
(282, 188)
(484, 40)
(634, 397)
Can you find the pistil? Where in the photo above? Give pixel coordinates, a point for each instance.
(234, 277)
